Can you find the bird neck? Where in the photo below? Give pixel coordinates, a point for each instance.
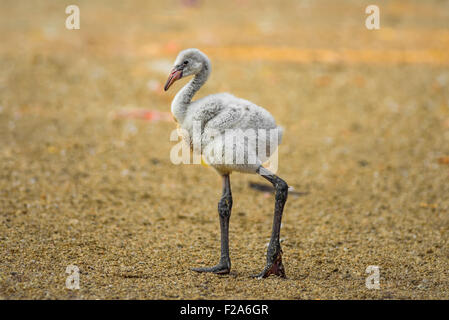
(184, 97)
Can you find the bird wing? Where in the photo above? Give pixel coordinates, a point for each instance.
(227, 118)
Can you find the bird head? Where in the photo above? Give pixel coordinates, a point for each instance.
(189, 62)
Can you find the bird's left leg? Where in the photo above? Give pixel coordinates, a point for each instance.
(274, 253)
(224, 212)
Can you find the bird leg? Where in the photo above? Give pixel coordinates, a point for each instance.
(224, 213)
(274, 252)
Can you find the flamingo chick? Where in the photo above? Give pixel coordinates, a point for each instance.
(220, 113)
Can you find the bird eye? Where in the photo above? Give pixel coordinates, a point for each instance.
(186, 62)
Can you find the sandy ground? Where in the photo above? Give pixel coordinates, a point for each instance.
(366, 115)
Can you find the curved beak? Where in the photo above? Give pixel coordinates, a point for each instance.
(175, 74)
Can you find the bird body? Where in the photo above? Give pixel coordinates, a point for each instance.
(231, 134)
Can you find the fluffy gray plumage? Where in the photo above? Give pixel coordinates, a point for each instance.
(216, 114)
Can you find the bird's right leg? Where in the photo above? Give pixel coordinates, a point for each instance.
(224, 212)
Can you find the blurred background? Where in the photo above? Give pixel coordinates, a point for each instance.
(86, 178)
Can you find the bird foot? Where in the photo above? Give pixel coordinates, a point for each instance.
(276, 268)
(221, 268)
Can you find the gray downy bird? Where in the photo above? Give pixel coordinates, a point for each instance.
(216, 116)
